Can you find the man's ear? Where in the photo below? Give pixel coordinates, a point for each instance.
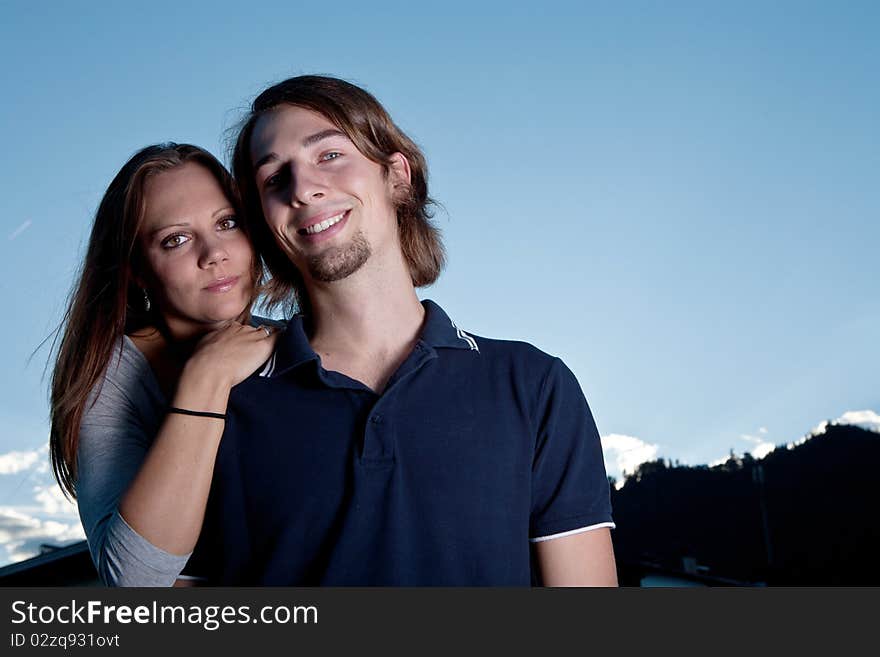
(399, 174)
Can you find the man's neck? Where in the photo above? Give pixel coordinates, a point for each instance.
(367, 324)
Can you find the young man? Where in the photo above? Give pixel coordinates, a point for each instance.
(382, 444)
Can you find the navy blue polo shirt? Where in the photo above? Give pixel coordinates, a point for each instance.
(475, 448)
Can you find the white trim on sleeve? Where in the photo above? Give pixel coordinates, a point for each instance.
(571, 532)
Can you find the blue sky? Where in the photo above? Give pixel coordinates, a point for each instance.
(678, 199)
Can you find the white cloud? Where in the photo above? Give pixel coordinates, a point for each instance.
(35, 509)
(13, 462)
(815, 431)
(865, 419)
(761, 447)
(623, 454)
(21, 535)
(53, 501)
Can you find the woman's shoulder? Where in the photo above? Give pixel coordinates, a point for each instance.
(128, 381)
(127, 362)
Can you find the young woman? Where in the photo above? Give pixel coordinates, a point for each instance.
(157, 332)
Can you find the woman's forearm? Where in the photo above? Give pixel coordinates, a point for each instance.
(166, 501)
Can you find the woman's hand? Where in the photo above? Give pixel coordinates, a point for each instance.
(222, 359)
(230, 354)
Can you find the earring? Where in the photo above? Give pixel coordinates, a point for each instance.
(146, 301)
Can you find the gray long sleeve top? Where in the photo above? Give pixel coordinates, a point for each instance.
(115, 435)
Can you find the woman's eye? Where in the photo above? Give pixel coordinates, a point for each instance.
(173, 241)
(332, 155)
(228, 223)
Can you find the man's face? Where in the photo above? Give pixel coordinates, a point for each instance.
(329, 207)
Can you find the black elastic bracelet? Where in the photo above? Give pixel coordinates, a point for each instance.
(186, 411)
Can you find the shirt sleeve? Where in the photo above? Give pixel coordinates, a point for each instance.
(570, 491)
(115, 434)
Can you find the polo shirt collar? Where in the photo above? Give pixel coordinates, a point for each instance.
(293, 348)
(440, 331)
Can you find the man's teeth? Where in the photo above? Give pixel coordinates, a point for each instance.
(324, 225)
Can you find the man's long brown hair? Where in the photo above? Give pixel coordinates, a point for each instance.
(363, 119)
(106, 301)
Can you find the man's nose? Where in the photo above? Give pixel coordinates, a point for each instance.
(306, 186)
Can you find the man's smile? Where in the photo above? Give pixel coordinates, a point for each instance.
(324, 226)
(321, 226)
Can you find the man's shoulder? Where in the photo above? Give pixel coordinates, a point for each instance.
(441, 331)
(517, 353)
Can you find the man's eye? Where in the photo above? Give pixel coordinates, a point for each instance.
(274, 180)
(332, 155)
(228, 223)
(173, 241)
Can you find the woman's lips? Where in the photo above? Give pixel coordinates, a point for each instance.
(222, 284)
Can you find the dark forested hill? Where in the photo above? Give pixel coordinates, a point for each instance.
(807, 515)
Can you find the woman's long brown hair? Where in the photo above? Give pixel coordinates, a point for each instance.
(106, 302)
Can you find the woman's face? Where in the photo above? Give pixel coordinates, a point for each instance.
(199, 262)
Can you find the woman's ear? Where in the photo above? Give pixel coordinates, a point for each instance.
(135, 277)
